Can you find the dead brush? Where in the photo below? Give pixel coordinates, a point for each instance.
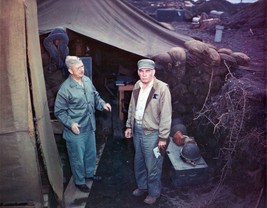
(237, 116)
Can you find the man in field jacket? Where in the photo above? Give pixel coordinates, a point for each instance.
(149, 122)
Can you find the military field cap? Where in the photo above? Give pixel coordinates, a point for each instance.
(146, 63)
(72, 61)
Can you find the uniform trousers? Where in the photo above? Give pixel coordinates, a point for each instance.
(82, 155)
(147, 167)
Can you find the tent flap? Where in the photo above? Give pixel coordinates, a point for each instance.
(24, 116)
(43, 123)
(112, 22)
(19, 168)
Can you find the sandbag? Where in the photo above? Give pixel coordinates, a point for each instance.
(178, 55)
(241, 58)
(225, 51)
(163, 61)
(214, 57)
(195, 46)
(228, 58)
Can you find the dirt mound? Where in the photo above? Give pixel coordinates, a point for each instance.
(219, 5)
(250, 16)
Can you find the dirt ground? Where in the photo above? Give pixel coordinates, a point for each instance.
(116, 168)
(251, 42)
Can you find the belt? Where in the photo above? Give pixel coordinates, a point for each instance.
(140, 122)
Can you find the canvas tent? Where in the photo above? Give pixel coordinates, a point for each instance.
(116, 23)
(25, 129)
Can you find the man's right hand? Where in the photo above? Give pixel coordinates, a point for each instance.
(75, 128)
(128, 133)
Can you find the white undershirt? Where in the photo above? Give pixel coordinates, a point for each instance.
(142, 98)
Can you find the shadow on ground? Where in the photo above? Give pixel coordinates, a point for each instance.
(116, 168)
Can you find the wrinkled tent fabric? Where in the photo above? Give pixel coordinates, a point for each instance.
(115, 22)
(24, 115)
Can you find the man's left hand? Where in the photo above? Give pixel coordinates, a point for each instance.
(107, 107)
(162, 145)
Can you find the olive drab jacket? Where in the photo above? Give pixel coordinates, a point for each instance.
(158, 110)
(77, 104)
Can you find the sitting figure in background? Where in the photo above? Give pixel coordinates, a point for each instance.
(56, 44)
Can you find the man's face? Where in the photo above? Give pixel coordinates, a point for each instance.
(146, 75)
(77, 71)
(56, 42)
